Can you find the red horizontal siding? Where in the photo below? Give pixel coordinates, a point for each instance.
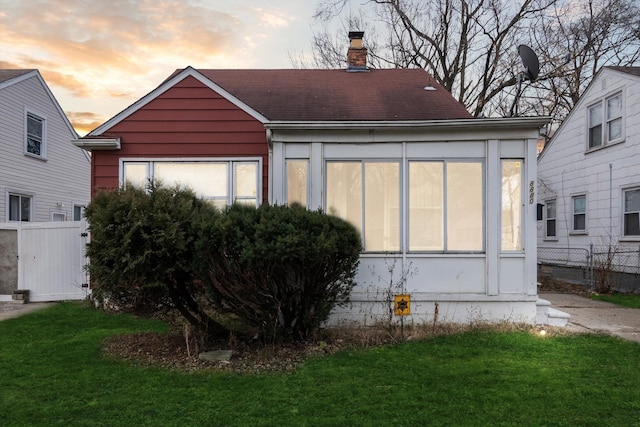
(238, 138)
(191, 114)
(186, 126)
(188, 120)
(194, 150)
(194, 104)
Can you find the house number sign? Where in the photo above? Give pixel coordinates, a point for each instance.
(532, 192)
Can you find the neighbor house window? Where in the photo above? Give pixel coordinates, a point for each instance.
(19, 207)
(632, 212)
(219, 182)
(511, 214)
(551, 218)
(35, 135)
(58, 216)
(297, 177)
(605, 122)
(579, 213)
(78, 212)
(367, 194)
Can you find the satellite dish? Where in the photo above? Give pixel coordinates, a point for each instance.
(531, 71)
(530, 62)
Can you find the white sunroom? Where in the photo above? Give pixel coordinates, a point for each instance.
(446, 209)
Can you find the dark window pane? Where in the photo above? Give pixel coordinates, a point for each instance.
(551, 228)
(33, 146)
(595, 136)
(14, 208)
(579, 222)
(632, 224)
(25, 208)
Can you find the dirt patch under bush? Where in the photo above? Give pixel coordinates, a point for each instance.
(170, 349)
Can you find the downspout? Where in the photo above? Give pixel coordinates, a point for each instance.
(610, 204)
(270, 168)
(404, 221)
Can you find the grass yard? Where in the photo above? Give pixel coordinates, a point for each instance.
(52, 373)
(625, 300)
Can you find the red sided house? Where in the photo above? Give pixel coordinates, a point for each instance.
(445, 202)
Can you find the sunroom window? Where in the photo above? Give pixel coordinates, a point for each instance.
(297, 178)
(367, 194)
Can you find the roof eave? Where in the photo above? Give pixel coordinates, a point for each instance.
(91, 144)
(459, 124)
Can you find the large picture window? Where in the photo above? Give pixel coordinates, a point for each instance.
(219, 182)
(605, 122)
(632, 212)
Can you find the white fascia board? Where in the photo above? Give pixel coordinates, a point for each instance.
(189, 71)
(91, 144)
(460, 124)
(405, 131)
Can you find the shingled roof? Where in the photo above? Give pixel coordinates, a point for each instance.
(630, 70)
(8, 74)
(332, 95)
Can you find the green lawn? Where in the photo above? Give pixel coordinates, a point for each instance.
(52, 373)
(625, 300)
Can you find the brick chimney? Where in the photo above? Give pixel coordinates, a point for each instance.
(357, 54)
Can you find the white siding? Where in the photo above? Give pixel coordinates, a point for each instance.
(566, 169)
(64, 177)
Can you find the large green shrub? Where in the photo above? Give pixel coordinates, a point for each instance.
(142, 247)
(281, 270)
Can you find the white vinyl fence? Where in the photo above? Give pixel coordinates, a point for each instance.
(46, 258)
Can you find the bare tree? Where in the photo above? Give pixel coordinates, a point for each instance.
(470, 46)
(575, 42)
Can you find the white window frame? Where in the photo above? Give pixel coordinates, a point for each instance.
(605, 122)
(229, 161)
(575, 230)
(61, 215)
(519, 221)
(21, 195)
(547, 219)
(625, 213)
(43, 137)
(82, 206)
(405, 226)
(363, 220)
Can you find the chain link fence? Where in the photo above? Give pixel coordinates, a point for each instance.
(600, 268)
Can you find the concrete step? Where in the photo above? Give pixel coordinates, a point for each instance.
(545, 315)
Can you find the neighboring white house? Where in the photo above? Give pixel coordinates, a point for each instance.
(589, 175)
(43, 176)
